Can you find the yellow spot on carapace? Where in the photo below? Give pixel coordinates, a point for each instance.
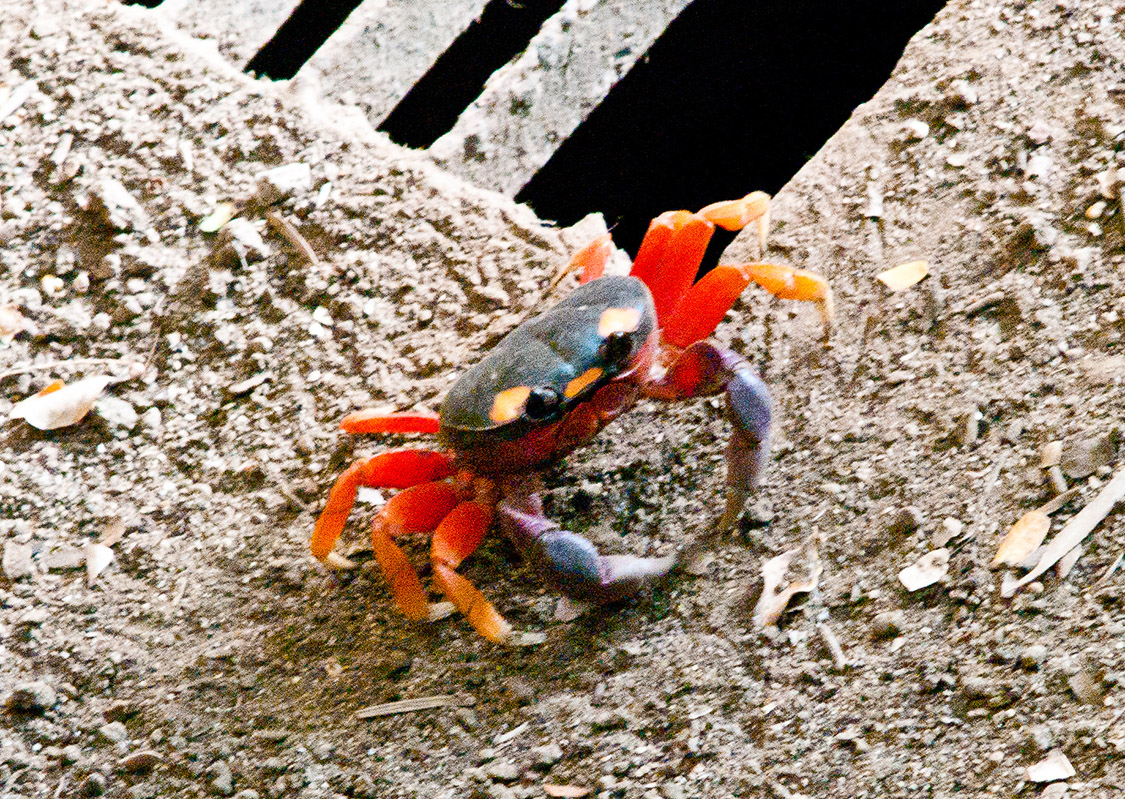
(618, 320)
(579, 384)
(508, 404)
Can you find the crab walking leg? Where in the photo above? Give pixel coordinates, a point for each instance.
(398, 469)
(736, 214)
(590, 261)
(420, 509)
(569, 562)
(372, 420)
(704, 369)
(458, 535)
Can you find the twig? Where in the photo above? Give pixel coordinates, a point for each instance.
(1073, 533)
(1053, 505)
(413, 705)
(833, 644)
(73, 362)
(1113, 567)
(284, 228)
(16, 98)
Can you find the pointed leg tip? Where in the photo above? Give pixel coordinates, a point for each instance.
(336, 561)
(440, 610)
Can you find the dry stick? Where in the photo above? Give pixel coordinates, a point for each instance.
(72, 363)
(833, 644)
(412, 705)
(1073, 533)
(284, 228)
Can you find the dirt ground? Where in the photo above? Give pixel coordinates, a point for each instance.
(214, 657)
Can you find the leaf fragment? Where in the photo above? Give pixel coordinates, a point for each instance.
(904, 275)
(60, 405)
(1022, 539)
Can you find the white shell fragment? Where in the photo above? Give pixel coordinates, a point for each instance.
(929, 569)
(1051, 768)
(61, 407)
(904, 276)
(774, 598)
(98, 557)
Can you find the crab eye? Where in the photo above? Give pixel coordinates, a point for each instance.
(541, 403)
(617, 348)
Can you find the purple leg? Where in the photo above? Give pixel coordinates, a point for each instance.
(704, 369)
(569, 562)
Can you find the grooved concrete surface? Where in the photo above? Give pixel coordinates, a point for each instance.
(528, 107)
(384, 47)
(531, 106)
(238, 27)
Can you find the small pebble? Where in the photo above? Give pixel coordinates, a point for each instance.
(33, 698)
(222, 781)
(546, 756)
(888, 624)
(503, 771)
(1032, 657)
(114, 732)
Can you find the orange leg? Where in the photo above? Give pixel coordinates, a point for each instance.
(737, 214)
(458, 535)
(671, 259)
(420, 509)
(398, 469)
(705, 304)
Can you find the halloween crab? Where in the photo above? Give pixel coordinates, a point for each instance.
(547, 388)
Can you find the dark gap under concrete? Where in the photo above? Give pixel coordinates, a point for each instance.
(734, 96)
(307, 28)
(432, 106)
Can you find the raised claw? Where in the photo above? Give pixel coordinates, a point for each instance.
(569, 562)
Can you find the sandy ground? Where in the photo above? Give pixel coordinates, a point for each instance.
(214, 657)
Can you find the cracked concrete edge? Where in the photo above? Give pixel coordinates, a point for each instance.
(238, 28)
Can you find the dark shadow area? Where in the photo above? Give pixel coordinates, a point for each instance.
(307, 28)
(432, 106)
(735, 96)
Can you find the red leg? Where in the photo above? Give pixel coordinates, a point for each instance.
(420, 509)
(671, 267)
(373, 421)
(454, 540)
(398, 469)
(707, 301)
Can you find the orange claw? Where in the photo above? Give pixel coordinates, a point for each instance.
(373, 421)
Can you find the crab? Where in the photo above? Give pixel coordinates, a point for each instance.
(548, 388)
